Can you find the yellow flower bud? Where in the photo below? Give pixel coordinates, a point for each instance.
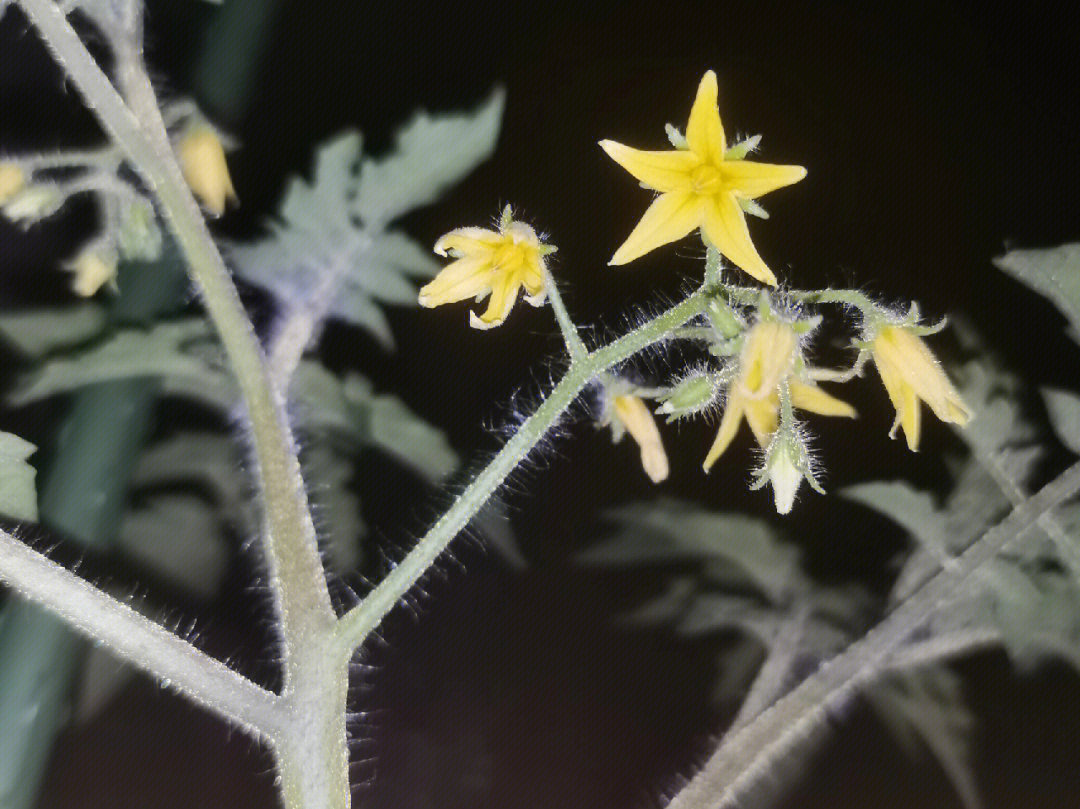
(202, 159)
(12, 180)
(93, 268)
(635, 418)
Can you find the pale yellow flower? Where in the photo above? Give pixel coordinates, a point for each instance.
(701, 186)
(12, 180)
(202, 158)
(767, 359)
(490, 262)
(92, 268)
(910, 373)
(629, 413)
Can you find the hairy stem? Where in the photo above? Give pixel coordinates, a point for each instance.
(750, 754)
(137, 639)
(355, 626)
(296, 573)
(574, 346)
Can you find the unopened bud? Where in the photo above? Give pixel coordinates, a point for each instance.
(12, 180)
(33, 203)
(692, 395)
(139, 237)
(202, 158)
(93, 268)
(787, 464)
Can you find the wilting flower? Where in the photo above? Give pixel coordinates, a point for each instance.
(94, 267)
(704, 185)
(910, 373)
(768, 359)
(490, 262)
(202, 158)
(12, 180)
(628, 414)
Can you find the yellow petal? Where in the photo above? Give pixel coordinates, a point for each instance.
(467, 240)
(902, 397)
(704, 132)
(749, 179)
(725, 226)
(668, 219)
(729, 426)
(533, 275)
(12, 180)
(814, 399)
(662, 171)
(202, 159)
(763, 416)
(504, 290)
(766, 357)
(638, 421)
(459, 280)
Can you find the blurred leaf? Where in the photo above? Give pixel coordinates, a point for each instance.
(18, 495)
(672, 531)
(335, 507)
(183, 355)
(37, 332)
(1063, 408)
(1052, 272)
(179, 538)
(350, 408)
(103, 677)
(925, 710)
(430, 154)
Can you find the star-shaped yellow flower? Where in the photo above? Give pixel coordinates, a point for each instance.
(767, 359)
(490, 262)
(702, 186)
(910, 372)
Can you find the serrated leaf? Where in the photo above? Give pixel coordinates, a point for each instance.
(183, 355)
(1063, 408)
(37, 332)
(671, 531)
(430, 154)
(350, 407)
(925, 710)
(18, 495)
(1053, 272)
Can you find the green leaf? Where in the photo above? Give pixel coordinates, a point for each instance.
(430, 154)
(178, 537)
(335, 507)
(1063, 408)
(18, 496)
(672, 531)
(926, 711)
(37, 332)
(183, 355)
(1054, 273)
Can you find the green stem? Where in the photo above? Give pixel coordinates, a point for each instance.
(355, 626)
(296, 575)
(574, 346)
(752, 753)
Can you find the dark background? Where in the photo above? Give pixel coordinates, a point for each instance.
(935, 135)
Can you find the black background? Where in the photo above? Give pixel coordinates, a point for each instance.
(935, 136)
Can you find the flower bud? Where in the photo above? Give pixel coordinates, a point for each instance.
(692, 395)
(94, 267)
(139, 235)
(202, 159)
(12, 180)
(33, 203)
(787, 464)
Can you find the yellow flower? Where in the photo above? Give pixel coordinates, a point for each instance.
(93, 268)
(702, 186)
(910, 373)
(12, 180)
(767, 359)
(629, 413)
(488, 261)
(202, 159)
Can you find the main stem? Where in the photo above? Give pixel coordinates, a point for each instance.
(296, 572)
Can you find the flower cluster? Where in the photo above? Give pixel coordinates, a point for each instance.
(757, 341)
